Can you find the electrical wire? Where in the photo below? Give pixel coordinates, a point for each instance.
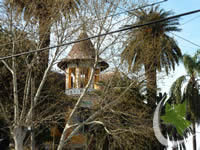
(190, 20)
(98, 19)
(104, 34)
(186, 40)
(140, 7)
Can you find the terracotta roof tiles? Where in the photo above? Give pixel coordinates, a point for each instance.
(82, 52)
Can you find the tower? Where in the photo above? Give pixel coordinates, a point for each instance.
(77, 66)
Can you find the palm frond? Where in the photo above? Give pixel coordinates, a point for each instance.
(192, 95)
(191, 64)
(51, 9)
(175, 90)
(196, 58)
(150, 43)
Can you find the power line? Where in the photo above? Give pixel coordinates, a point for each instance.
(186, 40)
(190, 20)
(113, 15)
(108, 33)
(140, 7)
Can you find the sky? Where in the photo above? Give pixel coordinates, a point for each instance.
(190, 31)
(189, 24)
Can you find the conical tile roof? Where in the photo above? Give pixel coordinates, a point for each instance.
(82, 52)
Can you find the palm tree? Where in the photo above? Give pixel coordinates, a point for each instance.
(152, 48)
(45, 12)
(191, 94)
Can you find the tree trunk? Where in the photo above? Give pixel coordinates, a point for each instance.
(106, 143)
(151, 84)
(19, 134)
(32, 112)
(194, 136)
(32, 139)
(53, 144)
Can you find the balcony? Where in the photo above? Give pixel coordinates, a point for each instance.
(76, 91)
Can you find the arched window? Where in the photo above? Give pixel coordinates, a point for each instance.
(84, 76)
(71, 78)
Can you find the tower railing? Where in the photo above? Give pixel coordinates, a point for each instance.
(77, 91)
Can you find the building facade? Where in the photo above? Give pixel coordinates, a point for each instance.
(77, 66)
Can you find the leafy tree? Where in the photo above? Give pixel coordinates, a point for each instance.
(191, 93)
(151, 46)
(52, 100)
(128, 125)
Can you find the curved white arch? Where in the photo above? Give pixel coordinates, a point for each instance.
(156, 127)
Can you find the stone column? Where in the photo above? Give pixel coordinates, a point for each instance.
(96, 78)
(77, 78)
(66, 78)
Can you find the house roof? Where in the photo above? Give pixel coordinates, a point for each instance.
(82, 52)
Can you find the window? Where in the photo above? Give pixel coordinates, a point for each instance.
(71, 78)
